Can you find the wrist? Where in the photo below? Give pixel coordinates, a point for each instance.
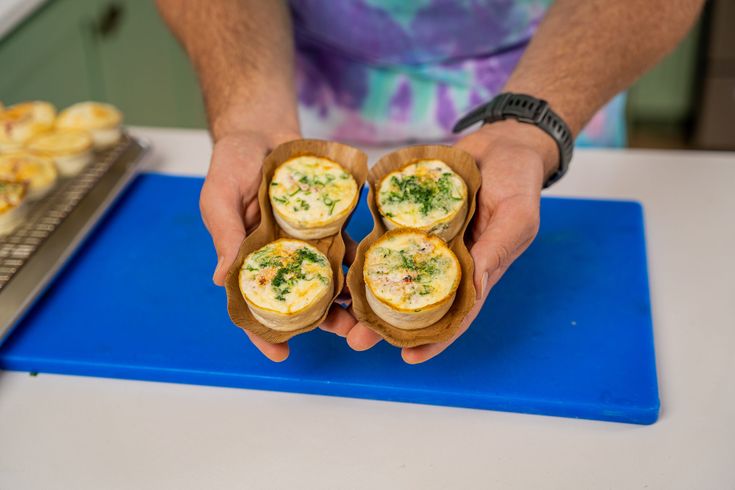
(261, 111)
(247, 119)
(526, 135)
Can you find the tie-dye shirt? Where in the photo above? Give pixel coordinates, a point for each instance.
(395, 71)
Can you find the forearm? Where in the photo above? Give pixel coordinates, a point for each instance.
(585, 52)
(242, 51)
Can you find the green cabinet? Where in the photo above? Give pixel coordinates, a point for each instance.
(115, 51)
(45, 57)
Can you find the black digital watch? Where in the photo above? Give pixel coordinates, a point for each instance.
(529, 110)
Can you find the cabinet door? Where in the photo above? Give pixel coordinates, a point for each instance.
(144, 71)
(46, 56)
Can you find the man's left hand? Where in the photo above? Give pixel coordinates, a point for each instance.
(514, 159)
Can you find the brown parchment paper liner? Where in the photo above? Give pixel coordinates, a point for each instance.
(353, 160)
(464, 165)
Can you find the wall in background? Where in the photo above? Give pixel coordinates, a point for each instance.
(115, 51)
(665, 95)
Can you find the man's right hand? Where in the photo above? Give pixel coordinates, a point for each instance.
(229, 203)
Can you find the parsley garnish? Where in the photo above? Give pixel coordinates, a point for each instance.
(428, 194)
(289, 273)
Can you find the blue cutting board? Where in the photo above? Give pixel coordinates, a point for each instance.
(567, 331)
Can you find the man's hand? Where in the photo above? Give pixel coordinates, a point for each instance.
(243, 55)
(229, 203)
(514, 159)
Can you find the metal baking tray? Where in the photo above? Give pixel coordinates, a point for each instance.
(34, 252)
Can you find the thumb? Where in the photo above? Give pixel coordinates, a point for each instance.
(222, 215)
(510, 231)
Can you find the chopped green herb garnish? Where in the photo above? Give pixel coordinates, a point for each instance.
(330, 203)
(428, 194)
(291, 272)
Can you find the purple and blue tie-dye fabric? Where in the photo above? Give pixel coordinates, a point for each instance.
(395, 71)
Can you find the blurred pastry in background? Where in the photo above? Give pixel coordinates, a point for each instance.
(103, 121)
(34, 169)
(21, 122)
(12, 195)
(70, 149)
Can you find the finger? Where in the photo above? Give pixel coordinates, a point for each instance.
(350, 248)
(252, 216)
(362, 338)
(512, 227)
(422, 353)
(339, 321)
(344, 298)
(274, 352)
(221, 210)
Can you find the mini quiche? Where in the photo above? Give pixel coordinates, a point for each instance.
(21, 122)
(411, 278)
(35, 169)
(70, 149)
(12, 195)
(103, 121)
(286, 284)
(312, 196)
(425, 194)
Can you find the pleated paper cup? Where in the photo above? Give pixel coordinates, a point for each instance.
(446, 327)
(355, 162)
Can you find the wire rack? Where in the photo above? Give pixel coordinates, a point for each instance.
(53, 226)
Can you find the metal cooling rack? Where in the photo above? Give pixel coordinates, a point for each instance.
(53, 227)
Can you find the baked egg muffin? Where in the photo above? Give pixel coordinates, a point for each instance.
(411, 278)
(312, 196)
(286, 284)
(12, 197)
(70, 149)
(21, 122)
(36, 170)
(425, 194)
(103, 121)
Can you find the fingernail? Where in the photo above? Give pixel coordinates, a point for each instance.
(481, 292)
(216, 269)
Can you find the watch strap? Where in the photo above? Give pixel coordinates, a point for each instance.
(529, 110)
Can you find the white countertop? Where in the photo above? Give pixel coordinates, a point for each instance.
(89, 433)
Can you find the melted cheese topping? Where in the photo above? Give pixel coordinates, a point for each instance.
(312, 191)
(285, 276)
(35, 170)
(421, 194)
(20, 122)
(89, 115)
(11, 195)
(62, 142)
(410, 270)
